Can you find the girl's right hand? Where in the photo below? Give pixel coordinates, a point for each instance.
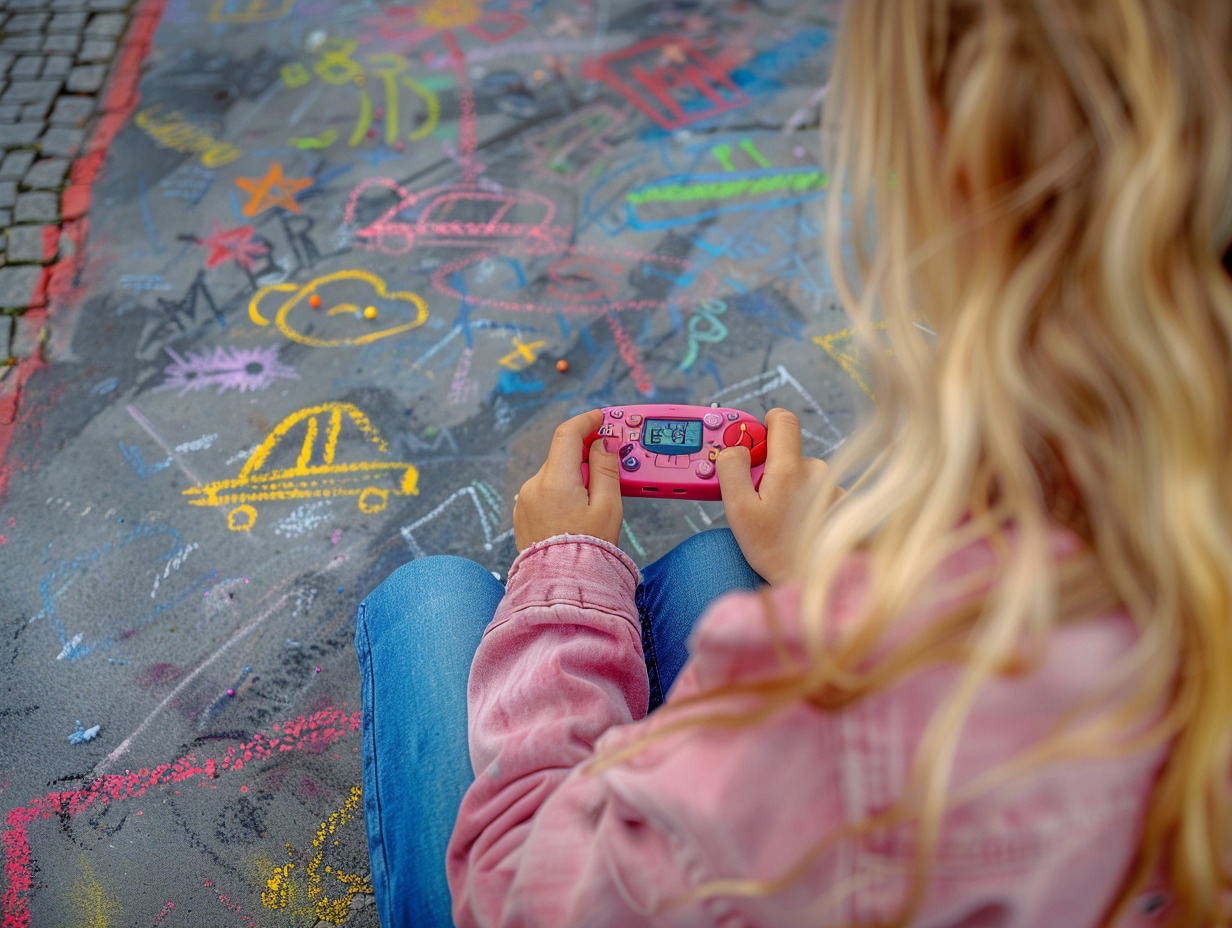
(767, 521)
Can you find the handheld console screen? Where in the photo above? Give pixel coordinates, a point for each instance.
(672, 436)
(672, 451)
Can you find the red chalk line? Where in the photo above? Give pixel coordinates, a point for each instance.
(58, 281)
(314, 733)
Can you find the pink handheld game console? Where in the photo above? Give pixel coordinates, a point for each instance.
(671, 451)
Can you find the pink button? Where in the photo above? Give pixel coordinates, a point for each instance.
(712, 420)
(704, 469)
(616, 413)
(634, 419)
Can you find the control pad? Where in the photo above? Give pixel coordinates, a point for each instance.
(671, 450)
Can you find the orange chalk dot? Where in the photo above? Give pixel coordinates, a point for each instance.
(314, 301)
(539, 75)
(562, 365)
(369, 312)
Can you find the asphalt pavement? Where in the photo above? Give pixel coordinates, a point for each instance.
(295, 291)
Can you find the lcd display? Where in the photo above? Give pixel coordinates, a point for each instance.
(672, 436)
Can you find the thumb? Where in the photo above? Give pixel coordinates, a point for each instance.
(604, 474)
(735, 478)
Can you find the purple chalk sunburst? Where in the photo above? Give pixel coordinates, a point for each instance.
(239, 369)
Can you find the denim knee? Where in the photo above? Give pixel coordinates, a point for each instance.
(413, 594)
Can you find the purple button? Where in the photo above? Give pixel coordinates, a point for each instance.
(704, 469)
(712, 420)
(616, 413)
(630, 463)
(635, 419)
(733, 416)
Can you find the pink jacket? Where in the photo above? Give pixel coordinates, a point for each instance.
(559, 674)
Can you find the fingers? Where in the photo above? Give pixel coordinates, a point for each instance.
(735, 480)
(604, 477)
(783, 442)
(565, 452)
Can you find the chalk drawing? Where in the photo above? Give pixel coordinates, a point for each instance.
(568, 149)
(232, 245)
(105, 631)
(187, 182)
(629, 353)
(371, 481)
(584, 279)
(458, 215)
(249, 11)
(523, 355)
(357, 297)
(704, 326)
(173, 130)
(847, 353)
(94, 905)
(272, 189)
(464, 388)
(226, 368)
(303, 519)
(487, 505)
(760, 384)
(132, 454)
(143, 283)
(281, 890)
(656, 205)
(246, 920)
(668, 79)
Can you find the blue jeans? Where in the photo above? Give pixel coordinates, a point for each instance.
(416, 635)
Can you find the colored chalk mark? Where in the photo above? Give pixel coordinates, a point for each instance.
(725, 187)
(282, 890)
(95, 906)
(849, 356)
(324, 140)
(249, 11)
(308, 480)
(272, 189)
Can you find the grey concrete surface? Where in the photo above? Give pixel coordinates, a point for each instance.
(197, 491)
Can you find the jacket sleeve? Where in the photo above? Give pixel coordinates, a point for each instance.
(539, 841)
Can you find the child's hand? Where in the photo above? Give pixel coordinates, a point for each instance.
(766, 521)
(555, 502)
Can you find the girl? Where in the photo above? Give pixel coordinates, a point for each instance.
(991, 685)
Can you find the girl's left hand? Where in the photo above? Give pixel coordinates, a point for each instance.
(555, 502)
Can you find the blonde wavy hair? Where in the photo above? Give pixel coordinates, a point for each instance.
(1035, 196)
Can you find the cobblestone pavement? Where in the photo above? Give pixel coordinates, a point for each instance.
(301, 289)
(55, 59)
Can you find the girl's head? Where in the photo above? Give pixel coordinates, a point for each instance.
(1030, 202)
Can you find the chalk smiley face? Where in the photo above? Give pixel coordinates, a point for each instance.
(356, 298)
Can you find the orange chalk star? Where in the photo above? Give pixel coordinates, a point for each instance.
(272, 190)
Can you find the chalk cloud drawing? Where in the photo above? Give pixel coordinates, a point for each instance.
(240, 369)
(342, 300)
(316, 474)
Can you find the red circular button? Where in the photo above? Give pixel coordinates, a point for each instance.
(735, 435)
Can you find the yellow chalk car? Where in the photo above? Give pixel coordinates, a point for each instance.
(372, 481)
